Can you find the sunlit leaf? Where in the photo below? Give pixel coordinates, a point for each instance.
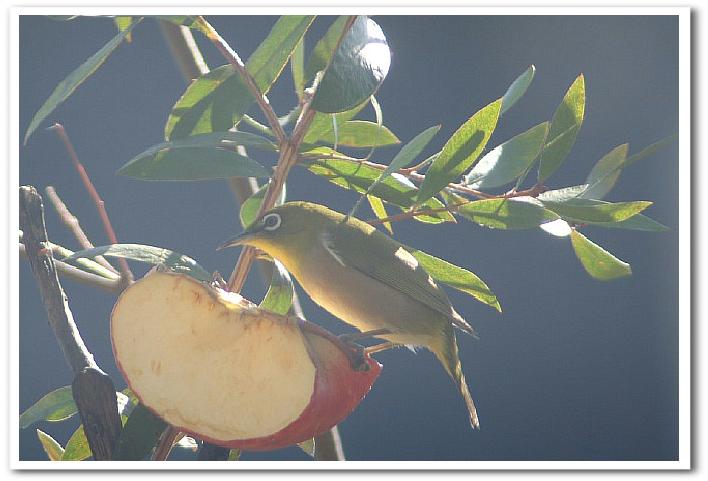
(357, 68)
(461, 151)
(51, 446)
(234, 455)
(565, 125)
(251, 206)
(150, 255)
(322, 125)
(123, 23)
(217, 100)
(636, 222)
(564, 194)
(379, 210)
(508, 161)
(67, 86)
(597, 262)
(592, 211)
(457, 277)
(279, 298)
(604, 174)
(57, 405)
(514, 213)
(297, 68)
(517, 89)
(360, 133)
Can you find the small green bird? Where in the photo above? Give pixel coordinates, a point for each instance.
(364, 278)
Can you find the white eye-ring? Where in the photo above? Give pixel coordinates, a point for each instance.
(271, 222)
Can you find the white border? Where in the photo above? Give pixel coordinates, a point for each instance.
(684, 461)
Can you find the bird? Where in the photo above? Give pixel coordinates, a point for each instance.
(363, 277)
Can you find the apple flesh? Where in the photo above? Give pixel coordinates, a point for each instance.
(214, 365)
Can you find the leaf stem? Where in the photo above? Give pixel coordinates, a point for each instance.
(126, 274)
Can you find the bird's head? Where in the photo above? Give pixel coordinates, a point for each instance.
(285, 230)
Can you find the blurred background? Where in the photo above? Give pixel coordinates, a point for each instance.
(574, 369)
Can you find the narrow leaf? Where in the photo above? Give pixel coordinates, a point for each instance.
(297, 67)
(217, 100)
(251, 206)
(322, 125)
(457, 277)
(360, 133)
(51, 446)
(592, 211)
(139, 435)
(279, 298)
(564, 194)
(508, 161)
(650, 150)
(515, 213)
(379, 210)
(150, 255)
(357, 69)
(199, 157)
(77, 447)
(57, 405)
(565, 125)
(517, 88)
(604, 174)
(636, 222)
(234, 455)
(67, 86)
(597, 262)
(461, 151)
(123, 23)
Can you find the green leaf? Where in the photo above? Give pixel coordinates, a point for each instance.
(297, 68)
(379, 210)
(508, 161)
(597, 262)
(457, 278)
(217, 100)
(360, 133)
(77, 447)
(200, 157)
(592, 211)
(123, 23)
(650, 150)
(604, 174)
(51, 446)
(192, 164)
(234, 455)
(565, 125)
(279, 297)
(191, 21)
(636, 222)
(57, 405)
(356, 176)
(251, 206)
(461, 151)
(356, 70)
(517, 89)
(564, 194)
(139, 435)
(67, 86)
(308, 447)
(514, 213)
(150, 255)
(62, 18)
(322, 126)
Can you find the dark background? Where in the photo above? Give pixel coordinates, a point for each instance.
(574, 369)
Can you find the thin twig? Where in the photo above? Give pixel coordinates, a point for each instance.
(126, 274)
(233, 58)
(72, 223)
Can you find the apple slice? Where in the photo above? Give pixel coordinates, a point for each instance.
(214, 365)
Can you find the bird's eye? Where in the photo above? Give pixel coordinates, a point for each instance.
(271, 222)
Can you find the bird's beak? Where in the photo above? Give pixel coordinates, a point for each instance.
(236, 240)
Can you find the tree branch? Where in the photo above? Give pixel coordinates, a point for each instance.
(93, 391)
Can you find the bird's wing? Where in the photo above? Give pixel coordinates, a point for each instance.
(389, 262)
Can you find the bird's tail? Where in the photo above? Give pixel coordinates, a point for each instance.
(448, 355)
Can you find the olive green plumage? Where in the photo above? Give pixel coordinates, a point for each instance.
(364, 278)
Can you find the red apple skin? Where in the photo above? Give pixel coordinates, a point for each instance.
(338, 390)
